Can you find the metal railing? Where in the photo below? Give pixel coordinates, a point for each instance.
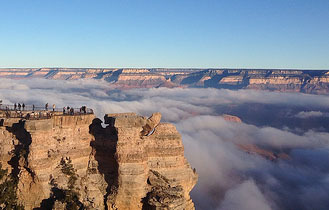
(39, 112)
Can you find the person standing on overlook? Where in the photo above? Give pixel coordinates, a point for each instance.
(19, 107)
(15, 106)
(46, 107)
(23, 106)
(54, 106)
(84, 109)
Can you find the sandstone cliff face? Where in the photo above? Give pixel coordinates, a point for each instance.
(148, 149)
(45, 142)
(132, 163)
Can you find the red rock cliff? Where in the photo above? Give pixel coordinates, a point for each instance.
(132, 163)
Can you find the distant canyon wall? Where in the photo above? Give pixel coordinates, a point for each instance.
(306, 81)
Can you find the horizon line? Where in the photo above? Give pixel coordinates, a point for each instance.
(182, 68)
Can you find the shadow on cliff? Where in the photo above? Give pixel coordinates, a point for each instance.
(69, 198)
(21, 150)
(104, 148)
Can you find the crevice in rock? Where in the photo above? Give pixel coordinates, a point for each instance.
(105, 147)
(21, 150)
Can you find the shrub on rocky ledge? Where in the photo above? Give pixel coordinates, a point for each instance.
(8, 187)
(71, 195)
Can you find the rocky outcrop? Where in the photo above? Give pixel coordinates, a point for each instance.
(306, 81)
(133, 162)
(140, 154)
(253, 148)
(164, 194)
(265, 153)
(231, 118)
(151, 123)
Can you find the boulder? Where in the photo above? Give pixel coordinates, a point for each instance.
(151, 123)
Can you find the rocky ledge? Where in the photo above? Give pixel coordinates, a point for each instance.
(75, 162)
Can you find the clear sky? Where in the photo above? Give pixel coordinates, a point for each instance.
(165, 33)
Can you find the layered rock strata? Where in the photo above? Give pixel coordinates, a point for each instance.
(144, 147)
(306, 81)
(132, 163)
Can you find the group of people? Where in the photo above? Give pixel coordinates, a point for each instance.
(66, 110)
(19, 106)
(47, 105)
(70, 110)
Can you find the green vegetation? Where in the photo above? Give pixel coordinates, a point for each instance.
(8, 188)
(71, 197)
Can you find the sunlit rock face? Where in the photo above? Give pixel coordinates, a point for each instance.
(306, 81)
(133, 162)
(231, 118)
(37, 149)
(140, 155)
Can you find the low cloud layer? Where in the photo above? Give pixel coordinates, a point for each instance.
(245, 196)
(228, 177)
(311, 114)
(210, 144)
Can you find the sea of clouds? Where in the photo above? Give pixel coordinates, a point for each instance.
(228, 177)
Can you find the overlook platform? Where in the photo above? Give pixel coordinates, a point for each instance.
(31, 112)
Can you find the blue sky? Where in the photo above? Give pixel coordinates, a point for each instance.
(165, 33)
